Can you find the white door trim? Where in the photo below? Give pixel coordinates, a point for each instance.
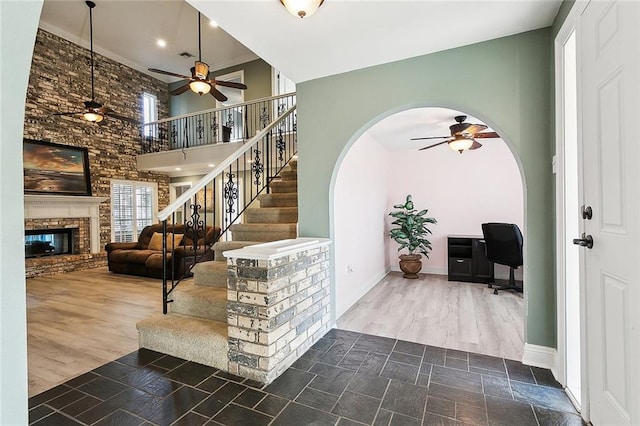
(568, 27)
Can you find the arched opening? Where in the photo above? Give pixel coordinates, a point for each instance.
(462, 191)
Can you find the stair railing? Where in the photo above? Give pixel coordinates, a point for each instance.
(206, 211)
(226, 124)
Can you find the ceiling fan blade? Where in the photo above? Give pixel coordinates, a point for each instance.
(486, 135)
(431, 137)
(122, 118)
(218, 94)
(229, 84)
(474, 128)
(431, 146)
(475, 145)
(168, 73)
(180, 90)
(67, 113)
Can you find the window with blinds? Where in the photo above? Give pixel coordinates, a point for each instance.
(133, 206)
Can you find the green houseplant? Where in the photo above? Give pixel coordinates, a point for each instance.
(411, 232)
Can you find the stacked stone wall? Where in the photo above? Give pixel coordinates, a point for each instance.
(60, 81)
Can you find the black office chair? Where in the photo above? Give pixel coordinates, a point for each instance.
(503, 242)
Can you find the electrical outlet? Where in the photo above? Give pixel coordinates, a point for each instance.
(349, 268)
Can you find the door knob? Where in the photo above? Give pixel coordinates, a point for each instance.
(587, 212)
(585, 241)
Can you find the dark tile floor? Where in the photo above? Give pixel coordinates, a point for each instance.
(347, 378)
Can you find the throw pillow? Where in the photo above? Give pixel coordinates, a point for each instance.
(156, 241)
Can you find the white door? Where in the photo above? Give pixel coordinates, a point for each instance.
(609, 39)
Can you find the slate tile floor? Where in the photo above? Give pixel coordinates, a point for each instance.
(347, 378)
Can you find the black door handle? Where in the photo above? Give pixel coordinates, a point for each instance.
(586, 212)
(585, 241)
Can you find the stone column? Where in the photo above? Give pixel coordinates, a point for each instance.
(279, 304)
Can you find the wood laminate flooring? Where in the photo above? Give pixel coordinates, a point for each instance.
(433, 311)
(81, 320)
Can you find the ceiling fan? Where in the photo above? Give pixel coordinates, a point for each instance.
(94, 111)
(463, 136)
(199, 81)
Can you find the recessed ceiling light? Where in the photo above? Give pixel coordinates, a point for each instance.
(211, 165)
(161, 43)
(178, 169)
(213, 23)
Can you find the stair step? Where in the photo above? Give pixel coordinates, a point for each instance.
(194, 339)
(264, 232)
(279, 187)
(210, 274)
(287, 199)
(293, 164)
(222, 246)
(200, 301)
(271, 215)
(288, 175)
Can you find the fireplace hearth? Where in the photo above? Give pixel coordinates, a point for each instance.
(48, 242)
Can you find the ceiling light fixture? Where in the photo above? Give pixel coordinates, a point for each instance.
(161, 43)
(201, 70)
(460, 143)
(213, 23)
(302, 8)
(200, 87)
(92, 116)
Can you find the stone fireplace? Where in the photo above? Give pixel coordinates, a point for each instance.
(57, 216)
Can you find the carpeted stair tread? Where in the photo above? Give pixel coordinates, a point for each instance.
(200, 301)
(210, 274)
(286, 199)
(271, 215)
(288, 175)
(264, 232)
(222, 246)
(194, 339)
(284, 186)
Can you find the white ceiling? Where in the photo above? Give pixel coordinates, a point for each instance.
(127, 31)
(345, 35)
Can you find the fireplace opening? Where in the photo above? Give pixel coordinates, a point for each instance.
(48, 242)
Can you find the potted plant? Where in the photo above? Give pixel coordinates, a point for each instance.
(411, 232)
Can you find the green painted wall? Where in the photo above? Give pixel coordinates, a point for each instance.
(504, 82)
(257, 77)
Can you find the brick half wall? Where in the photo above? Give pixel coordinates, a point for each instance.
(279, 306)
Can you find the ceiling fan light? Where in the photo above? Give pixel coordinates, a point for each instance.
(460, 143)
(93, 117)
(200, 87)
(302, 8)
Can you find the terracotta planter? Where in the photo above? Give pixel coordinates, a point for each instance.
(410, 264)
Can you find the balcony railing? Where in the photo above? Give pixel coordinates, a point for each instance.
(229, 123)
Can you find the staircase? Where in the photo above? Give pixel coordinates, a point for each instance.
(195, 329)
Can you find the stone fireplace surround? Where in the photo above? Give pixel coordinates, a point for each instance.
(62, 211)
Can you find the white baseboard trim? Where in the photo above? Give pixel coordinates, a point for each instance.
(433, 270)
(364, 290)
(539, 356)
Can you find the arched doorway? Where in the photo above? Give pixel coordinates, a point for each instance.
(378, 170)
